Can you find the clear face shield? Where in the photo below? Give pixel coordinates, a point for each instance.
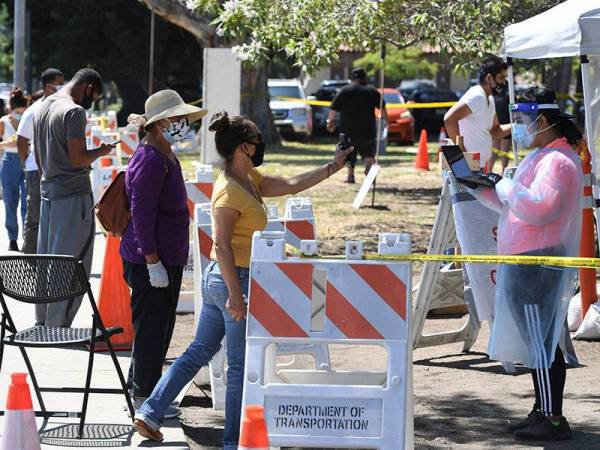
(525, 122)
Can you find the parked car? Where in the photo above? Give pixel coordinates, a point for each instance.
(293, 118)
(431, 119)
(408, 88)
(401, 125)
(327, 91)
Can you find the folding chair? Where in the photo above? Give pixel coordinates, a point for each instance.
(44, 279)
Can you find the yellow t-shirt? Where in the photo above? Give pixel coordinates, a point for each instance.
(228, 193)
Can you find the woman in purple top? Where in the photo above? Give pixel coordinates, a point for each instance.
(154, 246)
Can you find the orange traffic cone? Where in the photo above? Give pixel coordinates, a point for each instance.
(587, 247)
(422, 160)
(253, 435)
(114, 300)
(20, 431)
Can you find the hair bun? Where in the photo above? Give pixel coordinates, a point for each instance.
(17, 93)
(219, 121)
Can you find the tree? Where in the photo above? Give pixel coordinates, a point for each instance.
(313, 32)
(112, 36)
(6, 58)
(399, 65)
(254, 92)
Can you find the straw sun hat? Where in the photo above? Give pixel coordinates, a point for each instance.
(165, 104)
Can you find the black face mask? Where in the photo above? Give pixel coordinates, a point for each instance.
(87, 101)
(259, 153)
(498, 89)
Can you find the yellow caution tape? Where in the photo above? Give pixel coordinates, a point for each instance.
(388, 105)
(507, 154)
(556, 261)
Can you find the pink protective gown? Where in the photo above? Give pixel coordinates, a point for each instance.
(540, 214)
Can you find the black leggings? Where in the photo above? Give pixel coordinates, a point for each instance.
(549, 385)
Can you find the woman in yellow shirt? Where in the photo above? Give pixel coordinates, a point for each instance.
(237, 212)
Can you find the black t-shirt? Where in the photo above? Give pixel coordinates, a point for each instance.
(357, 102)
(502, 105)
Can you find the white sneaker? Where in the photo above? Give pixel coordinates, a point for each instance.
(171, 412)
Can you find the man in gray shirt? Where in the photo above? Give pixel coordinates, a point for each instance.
(67, 225)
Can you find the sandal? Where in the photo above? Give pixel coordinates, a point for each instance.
(144, 429)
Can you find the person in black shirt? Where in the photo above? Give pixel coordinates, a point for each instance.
(357, 103)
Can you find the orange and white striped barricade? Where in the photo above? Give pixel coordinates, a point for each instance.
(298, 223)
(91, 122)
(102, 175)
(129, 142)
(344, 302)
(200, 190)
(112, 123)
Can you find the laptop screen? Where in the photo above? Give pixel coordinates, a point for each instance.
(456, 160)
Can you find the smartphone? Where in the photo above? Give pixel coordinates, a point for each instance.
(344, 142)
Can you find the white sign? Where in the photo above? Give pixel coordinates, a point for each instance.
(476, 229)
(287, 415)
(364, 189)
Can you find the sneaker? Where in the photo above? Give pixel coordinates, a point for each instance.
(146, 431)
(13, 246)
(533, 417)
(546, 430)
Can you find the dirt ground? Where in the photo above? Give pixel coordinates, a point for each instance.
(461, 400)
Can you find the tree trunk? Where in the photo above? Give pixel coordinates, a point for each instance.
(255, 101)
(134, 94)
(255, 97)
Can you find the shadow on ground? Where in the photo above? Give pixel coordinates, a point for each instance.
(94, 435)
(466, 420)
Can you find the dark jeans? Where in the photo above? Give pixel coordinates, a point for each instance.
(32, 217)
(153, 317)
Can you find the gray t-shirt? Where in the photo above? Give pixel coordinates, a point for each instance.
(57, 120)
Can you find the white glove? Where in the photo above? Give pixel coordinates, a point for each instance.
(158, 275)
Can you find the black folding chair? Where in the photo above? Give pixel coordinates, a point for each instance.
(43, 279)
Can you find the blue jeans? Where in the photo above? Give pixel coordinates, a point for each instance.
(13, 187)
(215, 323)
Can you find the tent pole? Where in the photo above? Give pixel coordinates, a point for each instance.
(511, 99)
(587, 98)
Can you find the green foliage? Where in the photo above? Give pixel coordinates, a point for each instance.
(313, 32)
(6, 56)
(399, 64)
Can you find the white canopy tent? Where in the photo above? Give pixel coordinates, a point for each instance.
(571, 28)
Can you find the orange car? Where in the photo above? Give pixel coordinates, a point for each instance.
(401, 126)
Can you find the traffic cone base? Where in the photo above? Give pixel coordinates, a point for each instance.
(253, 435)
(20, 430)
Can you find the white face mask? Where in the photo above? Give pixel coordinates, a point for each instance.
(177, 131)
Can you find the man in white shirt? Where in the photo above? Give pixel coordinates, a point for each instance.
(52, 80)
(474, 116)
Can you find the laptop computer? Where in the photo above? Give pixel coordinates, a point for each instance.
(461, 170)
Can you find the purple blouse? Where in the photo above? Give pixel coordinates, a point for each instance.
(159, 215)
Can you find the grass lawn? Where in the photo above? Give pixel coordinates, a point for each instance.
(405, 200)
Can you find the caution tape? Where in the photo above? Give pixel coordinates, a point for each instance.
(388, 105)
(507, 154)
(556, 261)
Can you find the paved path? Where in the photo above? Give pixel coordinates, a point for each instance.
(107, 423)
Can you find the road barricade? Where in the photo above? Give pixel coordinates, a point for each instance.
(365, 303)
